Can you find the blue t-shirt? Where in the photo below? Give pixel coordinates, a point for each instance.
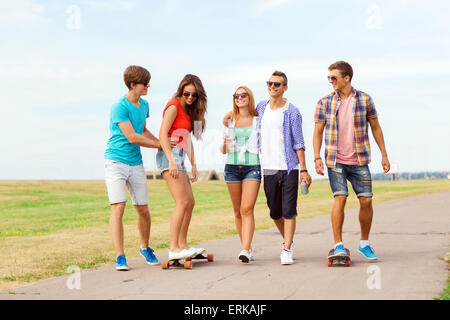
(118, 147)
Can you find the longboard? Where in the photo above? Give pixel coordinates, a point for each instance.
(187, 264)
(340, 260)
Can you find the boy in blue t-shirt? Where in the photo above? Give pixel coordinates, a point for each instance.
(123, 162)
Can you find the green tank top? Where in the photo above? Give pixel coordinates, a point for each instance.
(242, 135)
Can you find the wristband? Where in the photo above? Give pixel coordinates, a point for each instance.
(317, 158)
(301, 171)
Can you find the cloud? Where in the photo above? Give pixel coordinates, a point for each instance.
(267, 5)
(22, 12)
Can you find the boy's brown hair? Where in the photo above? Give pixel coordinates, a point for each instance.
(136, 75)
(282, 75)
(344, 67)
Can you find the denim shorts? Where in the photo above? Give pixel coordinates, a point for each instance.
(163, 164)
(281, 191)
(119, 176)
(359, 177)
(240, 173)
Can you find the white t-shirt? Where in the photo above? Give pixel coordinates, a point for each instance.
(272, 140)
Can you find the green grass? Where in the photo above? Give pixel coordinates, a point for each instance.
(47, 226)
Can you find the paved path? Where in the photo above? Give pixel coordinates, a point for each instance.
(409, 235)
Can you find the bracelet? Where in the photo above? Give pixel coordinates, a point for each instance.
(317, 158)
(301, 171)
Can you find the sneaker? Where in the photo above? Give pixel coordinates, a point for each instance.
(368, 252)
(197, 250)
(251, 255)
(149, 256)
(245, 256)
(340, 250)
(183, 254)
(286, 257)
(292, 248)
(121, 263)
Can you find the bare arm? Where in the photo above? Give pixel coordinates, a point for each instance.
(168, 119)
(227, 117)
(136, 138)
(378, 135)
(317, 144)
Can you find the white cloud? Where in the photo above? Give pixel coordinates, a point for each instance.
(22, 12)
(266, 5)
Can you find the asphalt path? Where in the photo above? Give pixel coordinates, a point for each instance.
(409, 235)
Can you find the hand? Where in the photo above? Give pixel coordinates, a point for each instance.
(319, 166)
(385, 164)
(194, 173)
(227, 118)
(173, 170)
(306, 177)
(173, 142)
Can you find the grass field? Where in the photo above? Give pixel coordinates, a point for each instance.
(47, 226)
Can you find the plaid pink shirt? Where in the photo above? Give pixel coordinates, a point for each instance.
(363, 109)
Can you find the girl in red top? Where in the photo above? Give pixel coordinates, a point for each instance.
(185, 113)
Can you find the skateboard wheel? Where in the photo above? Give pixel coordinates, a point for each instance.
(188, 264)
(210, 257)
(165, 265)
(347, 263)
(330, 262)
(188, 259)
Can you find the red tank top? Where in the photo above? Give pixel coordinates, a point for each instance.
(181, 126)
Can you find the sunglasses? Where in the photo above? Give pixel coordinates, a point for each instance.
(332, 79)
(236, 96)
(143, 83)
(187, 94)
(275, 84)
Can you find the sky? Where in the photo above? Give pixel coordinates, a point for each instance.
(62, 63)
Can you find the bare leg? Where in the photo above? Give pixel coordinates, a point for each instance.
(116, 226)
(235, 191)
(178, 191)
(250, 190)
(182, 238)
(289, 231)
(365, 216)
(337, 217)
(144, 224)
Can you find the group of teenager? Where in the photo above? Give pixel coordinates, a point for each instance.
(262, 142)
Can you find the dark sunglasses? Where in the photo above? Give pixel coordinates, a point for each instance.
(143, 83)
(187, 94)
(332, 79)
(242, 95)
(275, 84)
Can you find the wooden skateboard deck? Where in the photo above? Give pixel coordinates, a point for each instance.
(187, 261)
(339, 260)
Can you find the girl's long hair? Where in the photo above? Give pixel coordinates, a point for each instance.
(197, 110)
(251, 103)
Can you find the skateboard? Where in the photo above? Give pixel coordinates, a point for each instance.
(187, 264)
(342, 260)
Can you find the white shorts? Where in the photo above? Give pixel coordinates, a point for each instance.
(118, 175)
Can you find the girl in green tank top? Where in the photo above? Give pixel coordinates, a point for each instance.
(242, 170)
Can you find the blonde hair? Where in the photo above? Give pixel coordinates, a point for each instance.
(251, 103)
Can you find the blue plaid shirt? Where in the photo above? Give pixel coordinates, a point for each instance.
(292, 132)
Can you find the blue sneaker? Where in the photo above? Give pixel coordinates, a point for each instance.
(340, 250)
(121, 263)
(149, 256)
(367, 252)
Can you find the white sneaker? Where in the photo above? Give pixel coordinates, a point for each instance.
(251, 255)
(197, 250)
(183, 254)
(292, 249)
(286, 257)
(245, 256)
